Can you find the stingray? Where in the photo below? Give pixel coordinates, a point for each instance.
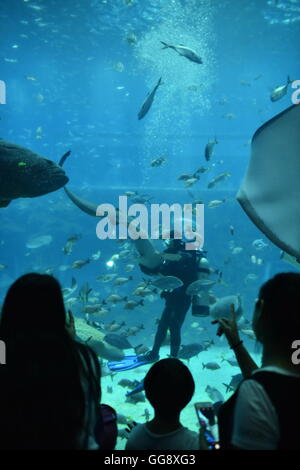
(270, 191)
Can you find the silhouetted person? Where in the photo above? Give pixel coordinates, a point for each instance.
(169, 387)
(264, 413)
(50, 385)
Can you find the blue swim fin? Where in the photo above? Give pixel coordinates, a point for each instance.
(129, 362)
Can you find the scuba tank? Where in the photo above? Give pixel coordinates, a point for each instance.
(200, 302)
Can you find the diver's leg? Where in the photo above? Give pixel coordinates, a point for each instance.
(161, 332)
(179, 312)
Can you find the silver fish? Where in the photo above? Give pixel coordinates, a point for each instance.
(209, 149)
(184, 51)
(197, 286)
(148, 101)
(280, 91)
(167, 283)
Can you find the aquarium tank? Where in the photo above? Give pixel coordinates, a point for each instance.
(109, 105)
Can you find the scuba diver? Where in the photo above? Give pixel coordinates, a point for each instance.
(186, 265)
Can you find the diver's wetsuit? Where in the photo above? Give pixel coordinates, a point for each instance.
(177, 302)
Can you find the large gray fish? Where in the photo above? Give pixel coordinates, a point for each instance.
(185, 52)
(188, 351)
(148, 101)
(221, 309)
(24, 173)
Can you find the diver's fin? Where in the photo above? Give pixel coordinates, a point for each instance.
(129, 362)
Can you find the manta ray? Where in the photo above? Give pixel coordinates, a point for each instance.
(270, 191)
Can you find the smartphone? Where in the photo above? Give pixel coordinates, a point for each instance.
(207, 418)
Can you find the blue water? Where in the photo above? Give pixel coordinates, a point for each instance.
(73, 81)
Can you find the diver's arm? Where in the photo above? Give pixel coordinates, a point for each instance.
(149, 257)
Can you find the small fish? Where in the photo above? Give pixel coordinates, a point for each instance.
(210, 366)
(132, 304)
(184, 177)
(229, 116)
(133, 330)
(259, 244)
(115, 298)
(2, 266)
(244, 83)
(93, 308)
(142, 292)
(109, 389)
(198, 286)
(191, 181)
(136, 398)
(129, 267)
(126, 383)
(84, 293)
(96, 256)
(131, 39)
(158, 162)
(218, 179)
(146, 414)
(119, 67)
(251, 277)
(68, 248)
(114, 326)
(148, 101)
(280, 91)
(214, 394)
(167, 283)
(201, 169)
(106, 277)
(80, 263)
(32, 79)
(216, 203)
(122, 280)
(185, 52)
(237, 250)
(209, 149)
(231, 230)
